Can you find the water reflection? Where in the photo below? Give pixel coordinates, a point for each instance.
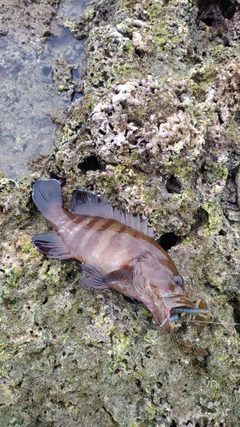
(28, 94)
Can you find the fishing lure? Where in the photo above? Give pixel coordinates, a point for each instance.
(116, 249)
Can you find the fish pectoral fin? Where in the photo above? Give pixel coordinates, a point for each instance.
(124, 273)
(51, 245)
(97, 280)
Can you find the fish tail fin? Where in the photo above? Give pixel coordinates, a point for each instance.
(47, 194)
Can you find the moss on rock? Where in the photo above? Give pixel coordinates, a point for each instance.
(157, 133)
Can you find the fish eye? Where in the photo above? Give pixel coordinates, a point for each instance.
(177, 280)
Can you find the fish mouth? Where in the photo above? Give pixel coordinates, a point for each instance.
(197, 312)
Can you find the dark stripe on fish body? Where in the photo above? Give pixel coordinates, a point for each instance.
(139, 243)
(131, 245)
(114, 242)
(87, 239)
(110, 224)
(69, 229)
(65, 225)
(58, 218)
(120, 244)
(100, 238)
(80, 234)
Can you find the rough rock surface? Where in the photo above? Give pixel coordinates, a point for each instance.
(156, 132)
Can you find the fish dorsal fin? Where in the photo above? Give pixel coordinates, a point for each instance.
(86, 203)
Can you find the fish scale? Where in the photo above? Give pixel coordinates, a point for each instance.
(116, 250)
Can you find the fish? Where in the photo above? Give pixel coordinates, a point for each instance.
(116, 250)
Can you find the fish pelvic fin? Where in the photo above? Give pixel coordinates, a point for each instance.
(98, 280)
(131, 300)
(47, 194)
(95, 278)
(51, 245)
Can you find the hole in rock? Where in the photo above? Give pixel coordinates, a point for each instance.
(201, 218)
(168, 240)
(214, 11)
(173, 185)
(222, 233)
(236, 313)
(237, 117)
(90, 163)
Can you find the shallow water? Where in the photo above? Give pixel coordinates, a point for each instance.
(28, 95)
(72, 8)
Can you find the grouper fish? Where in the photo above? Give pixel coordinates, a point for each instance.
(116, 250)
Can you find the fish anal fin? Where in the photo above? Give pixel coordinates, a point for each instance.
(51, 245)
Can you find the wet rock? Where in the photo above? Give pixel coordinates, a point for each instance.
(163, 130)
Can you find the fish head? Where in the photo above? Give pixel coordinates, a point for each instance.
(160, 287)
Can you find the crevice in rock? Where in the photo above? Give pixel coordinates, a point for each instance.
(234, 302)
(213, 12)
(167, 240)
(90, 163)
(173, 185)
(200, 218)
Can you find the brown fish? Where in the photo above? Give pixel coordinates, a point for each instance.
(116, 250)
